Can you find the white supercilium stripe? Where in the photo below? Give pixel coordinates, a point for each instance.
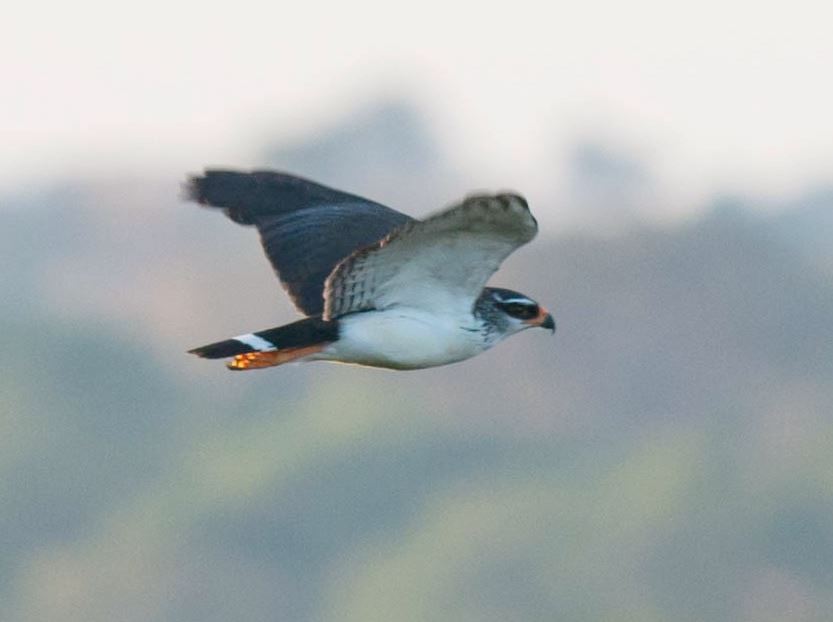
(258, 343)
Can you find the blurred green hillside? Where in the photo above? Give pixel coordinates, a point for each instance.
(667, 456)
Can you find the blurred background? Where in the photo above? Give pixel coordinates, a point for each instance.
(668, 455)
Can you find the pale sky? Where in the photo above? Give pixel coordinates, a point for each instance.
(716, 95)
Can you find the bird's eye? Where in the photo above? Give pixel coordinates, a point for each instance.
(521, 311)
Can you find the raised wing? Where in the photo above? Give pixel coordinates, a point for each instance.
(305, 228)
(440, 264)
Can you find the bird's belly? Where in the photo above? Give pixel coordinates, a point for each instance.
(403, 340)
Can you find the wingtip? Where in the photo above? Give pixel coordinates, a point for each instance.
(509, 197)
(190, 188)
(199, 187)
(504, 198)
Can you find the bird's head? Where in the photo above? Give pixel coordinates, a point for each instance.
(511, 312)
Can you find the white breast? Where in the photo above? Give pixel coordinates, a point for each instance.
(404, 338)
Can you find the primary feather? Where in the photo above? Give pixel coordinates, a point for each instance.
(305, 228)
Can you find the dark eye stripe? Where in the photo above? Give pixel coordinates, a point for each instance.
(521, 310)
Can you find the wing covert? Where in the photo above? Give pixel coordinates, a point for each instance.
(440, 264)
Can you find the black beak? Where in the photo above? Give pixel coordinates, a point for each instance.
(548, 323)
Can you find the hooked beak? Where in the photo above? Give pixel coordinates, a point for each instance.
(543, 320)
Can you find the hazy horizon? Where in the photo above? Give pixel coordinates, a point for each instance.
(721, 98)
(666, 455)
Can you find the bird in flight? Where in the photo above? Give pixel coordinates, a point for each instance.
(377, 287)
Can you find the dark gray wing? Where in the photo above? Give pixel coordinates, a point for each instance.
(306, 229)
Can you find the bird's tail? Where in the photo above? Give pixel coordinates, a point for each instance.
(274, 346)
